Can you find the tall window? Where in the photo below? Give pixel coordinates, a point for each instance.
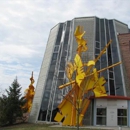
(101, 116)
(122, 117)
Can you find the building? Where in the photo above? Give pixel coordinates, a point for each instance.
(124, 43)
(112, 110)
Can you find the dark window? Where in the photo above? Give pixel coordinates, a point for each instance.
(64, 53)
(111, 75)
(101, 116)
(97, 45)
(62, 66)
(102, 29)
(52, 68)
(109, 56)
(60, 82)
(101, 111)
(97, 51)
(122, 117)
(103, 61)
(112, 88)
(59, 35)
(56, 48)
(107, 31)
(97, 65)
(61, 75)
(54, 57)
(49, 84)
(97, 30)
(67, 33)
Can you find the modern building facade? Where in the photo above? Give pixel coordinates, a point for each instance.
(61, 47)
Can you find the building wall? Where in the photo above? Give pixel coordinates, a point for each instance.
(129, 113)
(88, 25)
(52, 95)
(43, 75)
(61, 38)
(121, 27)
(124, 43)
(112, 107)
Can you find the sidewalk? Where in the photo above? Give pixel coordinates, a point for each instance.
(98, 127)
(108, 128)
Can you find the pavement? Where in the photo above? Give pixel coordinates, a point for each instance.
(109, 128)
(98, 127)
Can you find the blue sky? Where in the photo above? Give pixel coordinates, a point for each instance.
(25, 26)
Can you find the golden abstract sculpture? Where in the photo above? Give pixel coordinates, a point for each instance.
(75, 103)
(29, 94)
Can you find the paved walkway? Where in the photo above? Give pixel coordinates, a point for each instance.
(99, 127)
(109, 128)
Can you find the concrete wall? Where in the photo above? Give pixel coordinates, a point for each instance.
(111, 106)
(43, 75)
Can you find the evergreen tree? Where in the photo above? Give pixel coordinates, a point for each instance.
(11, 105)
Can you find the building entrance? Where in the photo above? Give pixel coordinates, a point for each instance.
(111, 117)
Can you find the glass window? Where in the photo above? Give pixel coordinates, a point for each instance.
(102, 29)
(111, 75)
(59, 35)
(97, 44)
(101, 116)
(112, 87)
(60, 82)
(122, 117)
(56, 48)
(97, 30)
(64, 53)
(50, 75)
(61, 75)
(97, 65)
(101, 111)
(62, 66)
(102, 25)
(54, 57)
(103, 61)
(52, 68)
(107, 31)
(97, 51)
(49, 83)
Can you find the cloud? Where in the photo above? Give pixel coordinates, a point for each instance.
(25, 27)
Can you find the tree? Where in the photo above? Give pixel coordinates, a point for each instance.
(11, 104)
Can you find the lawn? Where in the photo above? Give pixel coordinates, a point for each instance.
(27, 126)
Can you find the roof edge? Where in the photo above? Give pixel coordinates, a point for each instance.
(111, 97)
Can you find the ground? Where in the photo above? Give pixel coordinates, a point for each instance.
(28, 126)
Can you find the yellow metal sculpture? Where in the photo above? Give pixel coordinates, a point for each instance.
(29, 94)
(75, 103)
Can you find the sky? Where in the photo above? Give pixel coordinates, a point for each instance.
(25, 27)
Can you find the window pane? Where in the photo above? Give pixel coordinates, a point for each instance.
(122, 112)
(101, 120)
(54, 57)
(61, 75)
(97, 44)
(122, 121)
(112, 87)
(111, 75)
(97, 51)
(56, 48)
(101, 111)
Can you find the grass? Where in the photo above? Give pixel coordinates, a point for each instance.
(27, 126)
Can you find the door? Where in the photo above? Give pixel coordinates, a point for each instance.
(111, 117)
